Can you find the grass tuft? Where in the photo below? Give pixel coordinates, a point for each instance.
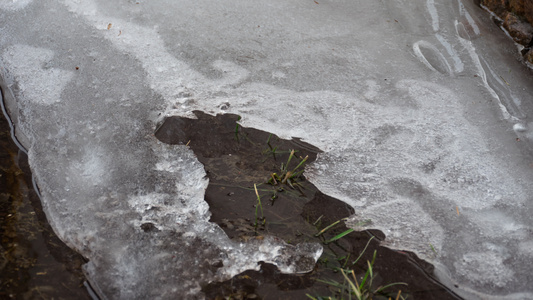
(286, 175)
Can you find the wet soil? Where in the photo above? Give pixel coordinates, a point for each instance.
(34, 262)
(237, 158)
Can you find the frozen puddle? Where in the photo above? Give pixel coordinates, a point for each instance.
(422, 116)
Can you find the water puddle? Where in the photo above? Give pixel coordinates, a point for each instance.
(251, 196)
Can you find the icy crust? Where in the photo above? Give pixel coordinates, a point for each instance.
(413, 135)
(429, 181)
(160, 243)
(14, 5)
(33, 69)
(133, 206)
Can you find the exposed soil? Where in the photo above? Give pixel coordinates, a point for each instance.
(237, 158)
(34, 262)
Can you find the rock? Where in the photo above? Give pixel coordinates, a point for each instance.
(521, 8)
(495, 6)
(528, 57)
(522, 32)
(517, 16)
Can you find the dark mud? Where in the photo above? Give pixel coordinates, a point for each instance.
(236, 159)
(34, 262)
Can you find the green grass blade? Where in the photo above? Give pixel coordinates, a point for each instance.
(381, 289)
(332, 283)
(328, 227)
(361, 286)
(355, 290)
(369, 275)
(346, 258)
(237, 129)
(296, 174)
(300, 164)
(433, 248)
(288, 161)
(364, 250)
(333, 239)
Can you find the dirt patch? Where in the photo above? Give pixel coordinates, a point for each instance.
(240, 160)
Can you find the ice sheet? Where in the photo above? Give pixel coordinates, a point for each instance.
(422, 114)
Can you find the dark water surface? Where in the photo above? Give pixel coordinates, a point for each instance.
(34, 262)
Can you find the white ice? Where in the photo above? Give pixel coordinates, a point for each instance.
(420, 107)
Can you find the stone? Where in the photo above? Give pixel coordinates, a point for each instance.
(528, 57)
(521, 8)
(522, 32)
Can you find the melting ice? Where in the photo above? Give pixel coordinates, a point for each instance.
(421, 110)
